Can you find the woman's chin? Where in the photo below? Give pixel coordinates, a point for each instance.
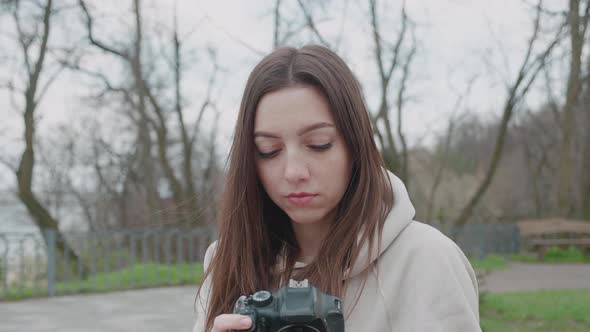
(305, 218)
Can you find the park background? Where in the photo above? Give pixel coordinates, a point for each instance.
(116, 119)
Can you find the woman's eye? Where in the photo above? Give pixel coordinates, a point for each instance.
(267, 155)
(264, 155)
(321, 147)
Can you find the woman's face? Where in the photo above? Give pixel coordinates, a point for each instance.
(302, 160)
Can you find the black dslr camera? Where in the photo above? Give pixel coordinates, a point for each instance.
(297, 307)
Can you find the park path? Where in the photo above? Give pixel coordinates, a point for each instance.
(528, 277)
(171, 309)
(148, 310)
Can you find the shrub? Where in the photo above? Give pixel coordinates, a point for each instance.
(571, 254)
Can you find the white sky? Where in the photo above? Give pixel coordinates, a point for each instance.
(456, 37)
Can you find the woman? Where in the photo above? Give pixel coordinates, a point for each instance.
(307, 197)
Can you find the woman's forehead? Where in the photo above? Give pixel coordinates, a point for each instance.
(294, 108)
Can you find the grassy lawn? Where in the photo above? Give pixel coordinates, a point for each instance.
(553, 255)
(490, 263)
(539, 311)
(135, 277)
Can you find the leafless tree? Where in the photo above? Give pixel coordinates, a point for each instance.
(538, 141)
(291, 19)
(39, 75)
(132, 56)
(147, 101)
(584, 188)
(517, 91)
(454, 119)
(577, 33)
(395, 153)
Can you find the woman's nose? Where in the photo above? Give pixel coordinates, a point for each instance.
(295, 169)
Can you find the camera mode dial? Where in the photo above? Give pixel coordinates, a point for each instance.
(262, 298)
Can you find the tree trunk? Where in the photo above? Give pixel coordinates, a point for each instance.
(585, 188)
(566, 200)
(145, 140)
(25, 171)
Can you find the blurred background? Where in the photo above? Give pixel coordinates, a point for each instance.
(116, 119)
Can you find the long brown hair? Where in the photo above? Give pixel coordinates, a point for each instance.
(253, 231)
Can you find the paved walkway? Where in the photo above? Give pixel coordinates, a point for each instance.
(171, 309)
(149, 310)
(524, 277)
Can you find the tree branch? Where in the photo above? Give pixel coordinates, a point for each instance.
(377, 39)
(206, 103)
(311, 24)
(24, 40)
(400, 40)
(47, 84)
(95, 42)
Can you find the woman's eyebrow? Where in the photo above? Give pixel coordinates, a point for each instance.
(299, 132)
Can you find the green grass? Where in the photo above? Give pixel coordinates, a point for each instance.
(490, 263)
(555, 255)
(539, 311)
(135, 277)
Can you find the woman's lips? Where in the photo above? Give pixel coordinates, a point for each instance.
(301, 200)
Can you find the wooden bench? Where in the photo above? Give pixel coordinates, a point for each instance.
(541, 234)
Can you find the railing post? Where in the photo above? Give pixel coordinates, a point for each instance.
(4, 264)
(516, 239)
(483, 249)
(50, 240)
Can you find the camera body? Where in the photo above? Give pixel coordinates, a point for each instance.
(297, 307)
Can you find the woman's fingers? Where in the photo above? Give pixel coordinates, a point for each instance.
(226, 322)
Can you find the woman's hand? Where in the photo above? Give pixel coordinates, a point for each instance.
(227, 322)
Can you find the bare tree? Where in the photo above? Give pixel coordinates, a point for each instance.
(585, 183)
(147, 99)
(68, 158)
(584, 187)
(184, 195)
(577, 30)
(137, 97)
(116, 178)
(517, 91)
(305, 16)
(38, 77)
(538, 143)
(395, 153)
(444, 150)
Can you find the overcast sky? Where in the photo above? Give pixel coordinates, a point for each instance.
(458, 40)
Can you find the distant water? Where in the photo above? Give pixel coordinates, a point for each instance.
(19, 237)
(15, 218)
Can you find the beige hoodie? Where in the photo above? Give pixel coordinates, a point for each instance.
(419, 281)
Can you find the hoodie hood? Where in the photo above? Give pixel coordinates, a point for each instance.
(399, 217)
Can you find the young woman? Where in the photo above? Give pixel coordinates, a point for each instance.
(307, 197)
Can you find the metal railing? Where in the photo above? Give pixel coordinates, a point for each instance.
(45, 264)
(480, 240)
(35, 264)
